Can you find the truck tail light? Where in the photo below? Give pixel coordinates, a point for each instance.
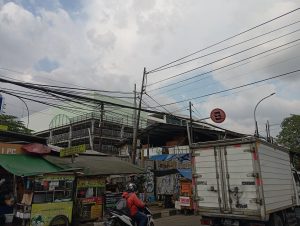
(206, 222)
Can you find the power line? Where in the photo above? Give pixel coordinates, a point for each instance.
(199, 114)
(238, 76)
(68, 95)
(224, 40)
(223, 58)
(228, 47)
(237, 87)
(157, 103)
(64, 87)
(229, 94)
(236, 62)
(248, 62)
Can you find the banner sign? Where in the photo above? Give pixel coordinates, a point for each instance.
(3, 127)
(184, 201)
(44, 213)
(72, 150)
(91, 183)
(10, 149)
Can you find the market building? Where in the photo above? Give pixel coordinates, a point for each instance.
(97, 129)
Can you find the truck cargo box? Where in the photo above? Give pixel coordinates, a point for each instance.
(243, 178)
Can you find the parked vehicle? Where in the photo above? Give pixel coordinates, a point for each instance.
(244, 182)
(120, 216)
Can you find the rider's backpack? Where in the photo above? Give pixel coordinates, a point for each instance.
(122, 206)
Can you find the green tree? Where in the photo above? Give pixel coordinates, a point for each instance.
(290, 133)
(14, 124)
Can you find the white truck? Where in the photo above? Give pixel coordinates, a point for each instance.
(244, 182)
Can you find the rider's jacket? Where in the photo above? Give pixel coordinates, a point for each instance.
(133, 202)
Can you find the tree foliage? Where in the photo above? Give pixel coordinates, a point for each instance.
(290, 133)
(14, 124)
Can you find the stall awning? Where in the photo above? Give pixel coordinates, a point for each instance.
(27, 165)
(96, 165)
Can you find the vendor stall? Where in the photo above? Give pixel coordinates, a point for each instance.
(92, 196)
(43, 192)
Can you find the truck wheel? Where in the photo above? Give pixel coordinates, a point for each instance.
(275, 221)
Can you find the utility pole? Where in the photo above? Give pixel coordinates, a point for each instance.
(101, 126)
(134, 144)
(191, 123)
(134, 119)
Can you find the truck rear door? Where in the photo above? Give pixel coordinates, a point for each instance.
(225, 178)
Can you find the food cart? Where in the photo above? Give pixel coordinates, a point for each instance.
(47, 200)
(89, 198)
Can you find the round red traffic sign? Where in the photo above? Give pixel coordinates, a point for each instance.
(217, 115)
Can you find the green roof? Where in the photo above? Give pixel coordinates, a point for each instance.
(96, 165)
(27, 165)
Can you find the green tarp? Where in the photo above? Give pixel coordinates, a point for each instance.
(27, 165)
(96, 165)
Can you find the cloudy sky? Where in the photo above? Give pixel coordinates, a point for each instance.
(105, 44)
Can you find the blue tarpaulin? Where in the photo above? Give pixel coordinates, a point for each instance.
(159, 157)
(186, 173)
(167, 157)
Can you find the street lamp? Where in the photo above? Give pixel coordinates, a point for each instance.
(256, 127)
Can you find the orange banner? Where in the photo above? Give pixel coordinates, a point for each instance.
(10, 149)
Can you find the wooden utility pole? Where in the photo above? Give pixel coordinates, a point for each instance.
(134, 144)
(101, 126)
(191, 123)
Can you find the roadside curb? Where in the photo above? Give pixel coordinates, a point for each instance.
(156, 215)
(165, 213)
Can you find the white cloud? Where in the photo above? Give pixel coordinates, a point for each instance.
(107, 44)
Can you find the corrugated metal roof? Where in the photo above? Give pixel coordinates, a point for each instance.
(96, 165)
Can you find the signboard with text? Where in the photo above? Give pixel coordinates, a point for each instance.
(3, 127)
(10, 149)
(72, 150)
(184, 201)
(91, 183)
(217, 115)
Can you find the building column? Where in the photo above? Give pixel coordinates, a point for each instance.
(92, 133)
(50, 136)
(70, 136)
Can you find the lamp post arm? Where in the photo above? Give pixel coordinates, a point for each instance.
(255, 121)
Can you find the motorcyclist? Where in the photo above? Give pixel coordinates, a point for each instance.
(134, 204)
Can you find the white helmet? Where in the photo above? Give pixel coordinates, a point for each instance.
(131, 187)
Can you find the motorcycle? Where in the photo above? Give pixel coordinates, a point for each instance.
(121, 217)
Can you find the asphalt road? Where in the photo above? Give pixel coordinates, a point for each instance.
(178, 220)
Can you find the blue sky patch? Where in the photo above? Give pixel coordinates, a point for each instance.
(46, 65)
